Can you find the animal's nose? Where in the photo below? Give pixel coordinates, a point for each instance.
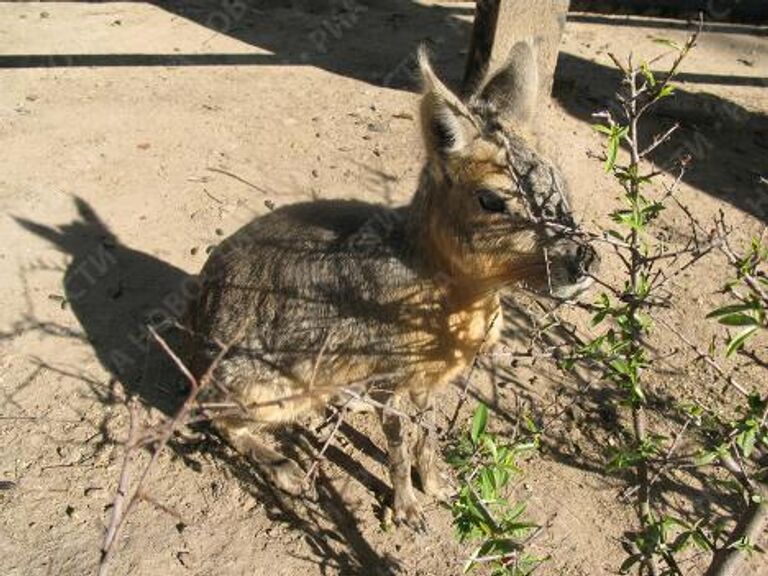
(583, 261)
(587, 258)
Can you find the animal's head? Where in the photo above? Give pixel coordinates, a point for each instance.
(495, 211)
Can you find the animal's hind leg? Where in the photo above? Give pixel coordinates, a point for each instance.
(284, 472)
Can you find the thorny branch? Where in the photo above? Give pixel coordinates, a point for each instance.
(625, 360)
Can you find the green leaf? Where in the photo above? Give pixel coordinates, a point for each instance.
(667, 90)
(602, 129)
(746, 441)
(629, 562)
(738, 319)
(615, 135)
(611, 154)
(479, 422)
(731, 309)
(668, 42)
(700, 540)
(706, 458)
(738, 341)
(645, 69)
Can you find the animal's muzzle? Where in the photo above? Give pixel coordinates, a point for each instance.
(574, 263)
(584, 263)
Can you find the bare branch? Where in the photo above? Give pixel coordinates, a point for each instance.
(118, 503)
(706, 358)
(749, 527)
(340, 413)
(659, 140)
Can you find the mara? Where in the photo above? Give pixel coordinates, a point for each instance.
(326, 301)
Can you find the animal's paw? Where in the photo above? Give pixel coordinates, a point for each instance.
(289, 477)
(408, 511)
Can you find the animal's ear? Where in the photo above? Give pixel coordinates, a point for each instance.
(443, 115)
(513, 90)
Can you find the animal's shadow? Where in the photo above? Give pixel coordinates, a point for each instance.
(116, 292)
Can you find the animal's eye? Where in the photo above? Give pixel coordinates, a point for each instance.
(491, 201)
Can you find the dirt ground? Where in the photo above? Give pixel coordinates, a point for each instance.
(135, 135)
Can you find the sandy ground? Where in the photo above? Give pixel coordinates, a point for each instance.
(134, 136)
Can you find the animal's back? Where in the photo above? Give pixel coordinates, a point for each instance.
(319, 295)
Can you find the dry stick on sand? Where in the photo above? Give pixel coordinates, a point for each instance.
(123, 502)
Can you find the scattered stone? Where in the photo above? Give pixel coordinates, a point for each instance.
(377, 127)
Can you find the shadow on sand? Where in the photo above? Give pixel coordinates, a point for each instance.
(115, 292)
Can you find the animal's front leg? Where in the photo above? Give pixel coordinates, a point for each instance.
(396, 429)
(426, 451)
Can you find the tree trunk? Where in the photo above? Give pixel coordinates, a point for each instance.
(500, 24)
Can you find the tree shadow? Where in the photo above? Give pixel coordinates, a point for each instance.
(370, 40)
(116, 292)
(726, 142)
(374, 41)
(746, 11)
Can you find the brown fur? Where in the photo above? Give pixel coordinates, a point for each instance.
(334, 298)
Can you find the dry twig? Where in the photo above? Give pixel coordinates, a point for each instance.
(125, 498)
